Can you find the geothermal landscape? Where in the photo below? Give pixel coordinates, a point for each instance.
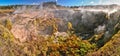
(49, 29)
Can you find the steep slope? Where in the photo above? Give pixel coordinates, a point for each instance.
(6, 41)
(111, 48)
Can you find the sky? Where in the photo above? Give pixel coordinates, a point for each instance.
(61, 2)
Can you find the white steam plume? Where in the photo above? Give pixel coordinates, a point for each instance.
(107, 2)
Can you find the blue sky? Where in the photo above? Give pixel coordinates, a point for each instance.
(61, 2)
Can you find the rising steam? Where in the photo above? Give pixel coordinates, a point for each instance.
(85, 20)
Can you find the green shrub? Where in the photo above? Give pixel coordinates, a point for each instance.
(8, 24)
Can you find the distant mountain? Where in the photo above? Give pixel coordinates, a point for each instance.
(51, 5)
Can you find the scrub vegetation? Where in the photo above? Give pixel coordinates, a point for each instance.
(23, 34)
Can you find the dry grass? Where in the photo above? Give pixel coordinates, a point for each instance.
(6, 10)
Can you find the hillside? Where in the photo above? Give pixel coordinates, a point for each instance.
(54, 30)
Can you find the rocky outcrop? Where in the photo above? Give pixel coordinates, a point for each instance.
(86, 21)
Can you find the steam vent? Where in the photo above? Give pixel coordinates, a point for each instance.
(59, 28)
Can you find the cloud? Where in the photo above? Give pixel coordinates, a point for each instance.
(92, 2)
(35, 3)
(110, 2)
